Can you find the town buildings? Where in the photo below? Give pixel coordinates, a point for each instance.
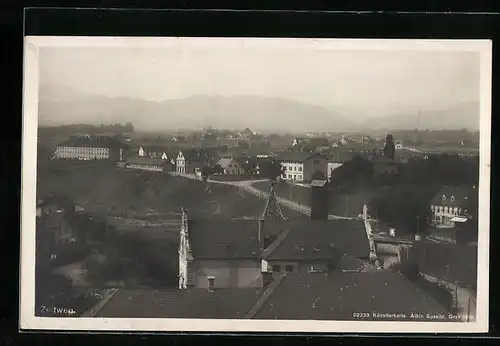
(157, 152)
(448, 204)
(90, 148)
(311, 245)
(191, 161)
(230, 166)
(299, 166)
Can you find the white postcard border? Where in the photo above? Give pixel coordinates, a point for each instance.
(29, 321)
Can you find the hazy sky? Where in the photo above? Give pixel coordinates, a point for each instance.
(355, 83)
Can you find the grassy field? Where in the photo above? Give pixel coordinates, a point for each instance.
(340, 203)
(104, 187)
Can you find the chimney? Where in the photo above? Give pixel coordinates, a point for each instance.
(211, 283)
(319, 202)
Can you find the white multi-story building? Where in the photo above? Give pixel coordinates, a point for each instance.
(90, 148)
(303, 166)
(449, 203)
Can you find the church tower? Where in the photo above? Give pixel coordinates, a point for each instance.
(185, 256)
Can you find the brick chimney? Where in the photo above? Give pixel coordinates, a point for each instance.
(211, 283)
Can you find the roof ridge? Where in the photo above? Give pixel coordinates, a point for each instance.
(94, 310)
(264, 297)
(277, 242)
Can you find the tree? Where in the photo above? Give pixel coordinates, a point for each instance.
(271, 169)
(354, 171)
(207, 171)
(389, 147)
(405, 207)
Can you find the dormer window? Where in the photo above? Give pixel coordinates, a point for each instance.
(453, 198)
(443, 197)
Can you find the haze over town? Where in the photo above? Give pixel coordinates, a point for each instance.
(167, 88)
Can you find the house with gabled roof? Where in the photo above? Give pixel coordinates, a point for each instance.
(230, 166)
(307, 244)
(301, 166)
(157, 152)
(191, 161)
(226, 253)
(450, 204)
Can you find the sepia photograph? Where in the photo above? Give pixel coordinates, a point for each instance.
(255, 184)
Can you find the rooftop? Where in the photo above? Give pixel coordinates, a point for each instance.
(175, 303)
(453, 196)
(296, 156)
(224, 162)
(340, 294)
(224, 239)
(316, 239)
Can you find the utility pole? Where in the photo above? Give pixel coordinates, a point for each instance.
(346, 204)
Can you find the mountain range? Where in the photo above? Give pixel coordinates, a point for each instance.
(63, 105)
(461, 116)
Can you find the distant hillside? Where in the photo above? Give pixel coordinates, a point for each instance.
(63, 105)
(464, 115)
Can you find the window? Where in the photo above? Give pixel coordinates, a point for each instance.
(452, 198)
(276, 268)
(300, 169)
(316, 162)
(289, 268)
(443, 198)
(299, 177)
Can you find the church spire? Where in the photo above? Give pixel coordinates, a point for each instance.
(272, 206)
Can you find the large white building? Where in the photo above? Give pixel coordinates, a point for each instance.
(448, 204)
(90, 148)
(302, 166)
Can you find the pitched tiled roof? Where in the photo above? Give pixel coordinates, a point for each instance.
(296, 156)
(339, 295)
(174, 303)
(460, 196)
(318, 239)
(224, 162)
(92, 142)
(224, 239)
